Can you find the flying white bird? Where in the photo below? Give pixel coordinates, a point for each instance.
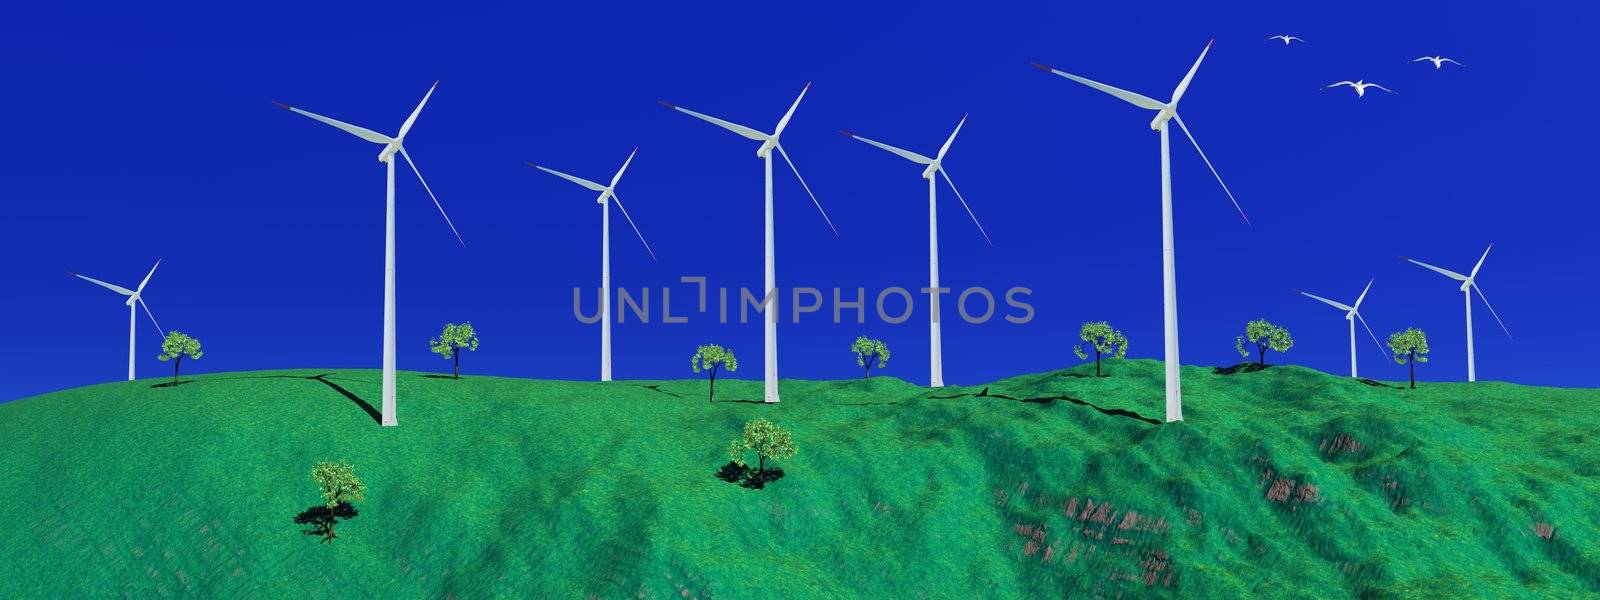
(1287, 39)
(1438, 61)
(1360, 87)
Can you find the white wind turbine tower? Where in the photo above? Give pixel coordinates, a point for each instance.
(1468, 284)
(135, 296)
(934, 165)
(607, 193)
(1352, 314)
(768, 143)
(1165, 111)
(391, 146)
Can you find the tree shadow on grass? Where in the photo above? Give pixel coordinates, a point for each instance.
(1244, 367)
(1046, 400)
(322, 519)
(1376, 383)
(747, 477)
(864, 403)
(377, 417)
(437, 376)
(167, 384)
(657, 388)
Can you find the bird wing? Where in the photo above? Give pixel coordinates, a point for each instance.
(1451, 60)
(1334, 85)
(1382, 88)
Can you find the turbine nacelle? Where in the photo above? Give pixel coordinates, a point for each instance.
(933, 168)
(388, 152)
(766, 147)
(1162, 116)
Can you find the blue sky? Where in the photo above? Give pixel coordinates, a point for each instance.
(146, 132)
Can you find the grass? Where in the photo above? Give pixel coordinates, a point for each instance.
(1284, 482)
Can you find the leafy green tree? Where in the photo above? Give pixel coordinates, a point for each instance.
(870, 352)
(1410, 347)
(1105, 340)
(453, 340)
(1265, 336)
(339, 485)
(711, 358)
(770, 442)
(175, 347)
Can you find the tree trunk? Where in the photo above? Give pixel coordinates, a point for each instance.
(458, 362)
(762, 458)
(175, 362)
(713, 372)
(867, 373)
(1097, 361)
(1413, 362)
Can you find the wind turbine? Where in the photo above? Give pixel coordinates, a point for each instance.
(607, 193)
(1165, 111)
(1468, 284)
(1352, 314)
(391, 146)
(934, 165)
(768, 143)
(135, 296)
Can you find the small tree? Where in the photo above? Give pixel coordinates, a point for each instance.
(869, 353)
(767, 439)
(1410, 347)
(711, 358)
(175, 347)
(452, 341)
(1105, 340)
(1265, 336)
(339, 485)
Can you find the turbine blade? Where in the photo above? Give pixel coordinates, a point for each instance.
(152, 316)
(784, 122)
(1381, 350)
(624, 209)
(1138, 100)
(1480, 261)
(1491, 310)
(1184, 85)
(147, 276)
(906, 154)
(1363, 295)
(1214, 173)
(807, 187)
(728, 125)
(1338, 305)
(360, 132)
(115, 288)
(413, 118)
(618, 176)
(578, 180)
(966, 206)
(946, 147)
(430, 195)
(1445, 272)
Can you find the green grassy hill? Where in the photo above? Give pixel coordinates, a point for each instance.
(1286, 482)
